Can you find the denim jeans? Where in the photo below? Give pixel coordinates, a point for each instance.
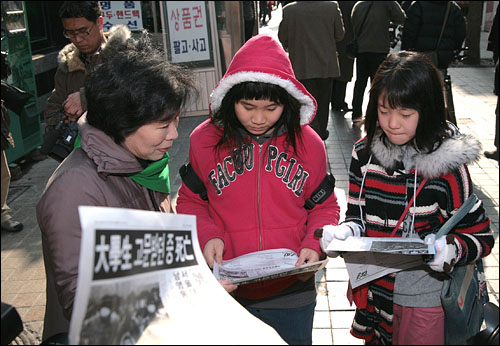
(293, 325)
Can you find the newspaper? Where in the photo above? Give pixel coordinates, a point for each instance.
(143, 280)
(263, 265)
(369, 258)
(404, 246)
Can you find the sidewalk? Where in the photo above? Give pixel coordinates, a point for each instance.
(23, 275)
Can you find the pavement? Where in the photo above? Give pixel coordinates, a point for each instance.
(22, 269)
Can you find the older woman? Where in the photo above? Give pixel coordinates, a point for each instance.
(134, 101)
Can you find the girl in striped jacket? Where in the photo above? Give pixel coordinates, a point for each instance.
(409, 143)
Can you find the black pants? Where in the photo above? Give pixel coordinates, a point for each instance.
(338, 95)
(321, 90)
(366, 66)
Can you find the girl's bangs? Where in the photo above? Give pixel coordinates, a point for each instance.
(259, 91)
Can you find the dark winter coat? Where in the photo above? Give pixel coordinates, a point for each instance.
(373, 34)
(423, 24)
(310, 31)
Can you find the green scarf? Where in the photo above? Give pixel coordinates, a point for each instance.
(154, 177)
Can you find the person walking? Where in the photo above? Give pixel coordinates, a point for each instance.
(249, 17)
(423, 25)
(258, 163)
(346, 64)
(14, 99)
(372, 35)
(494, 154)
(309, 31)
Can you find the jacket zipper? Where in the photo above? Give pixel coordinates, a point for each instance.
(258, 199)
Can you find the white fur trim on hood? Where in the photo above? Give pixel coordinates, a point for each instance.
(263, 59)
(455, 151)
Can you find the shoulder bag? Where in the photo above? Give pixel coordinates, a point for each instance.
(352, 47)
(464, 292)
(433, 54)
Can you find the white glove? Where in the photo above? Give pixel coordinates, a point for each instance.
(446, 253)
(340, 232)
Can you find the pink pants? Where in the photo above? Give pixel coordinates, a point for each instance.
(418, 326)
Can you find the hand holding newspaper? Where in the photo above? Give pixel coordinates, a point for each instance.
(263, 265)
(369, 258)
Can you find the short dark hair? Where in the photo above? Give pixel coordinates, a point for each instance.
(226, 116)
(134, 87)
(410, 80)
(79, 9)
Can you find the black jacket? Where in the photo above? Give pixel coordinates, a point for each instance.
(423, 24)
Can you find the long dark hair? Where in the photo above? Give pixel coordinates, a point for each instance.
(232, 134)
(410, 80)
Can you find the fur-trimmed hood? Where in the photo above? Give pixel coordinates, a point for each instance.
(262, 59)
(457, 150)
(68, 58)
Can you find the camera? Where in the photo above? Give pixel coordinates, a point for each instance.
(59, 142)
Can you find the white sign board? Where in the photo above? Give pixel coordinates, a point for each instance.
(121, 12)
(188, 31)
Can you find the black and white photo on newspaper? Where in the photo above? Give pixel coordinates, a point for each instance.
(369, 258)
(143, 280)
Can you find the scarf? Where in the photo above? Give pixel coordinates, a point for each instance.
(154, 177)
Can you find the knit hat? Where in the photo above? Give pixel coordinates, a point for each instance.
(262, 59)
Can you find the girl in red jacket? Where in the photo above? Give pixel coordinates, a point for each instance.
(260, 163)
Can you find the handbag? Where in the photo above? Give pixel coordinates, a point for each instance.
(432, 55)
(464, 292)
(351, 48)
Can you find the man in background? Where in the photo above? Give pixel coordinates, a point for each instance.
(83, 26)
(309, 31)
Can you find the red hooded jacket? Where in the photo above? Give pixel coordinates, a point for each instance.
(261, 205)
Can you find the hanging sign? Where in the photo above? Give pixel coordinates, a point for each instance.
(188, 31)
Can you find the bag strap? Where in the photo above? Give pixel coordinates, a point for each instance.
(408, 206)
(193, 181)
(461, 212)
(324, 190)
(363, 22)
(444, 24)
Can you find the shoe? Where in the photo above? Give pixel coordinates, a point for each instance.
(492, 154)
(325, 135)
(12, 226)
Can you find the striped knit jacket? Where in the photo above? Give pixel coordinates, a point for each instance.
(389, 173)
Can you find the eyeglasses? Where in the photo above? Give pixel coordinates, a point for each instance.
(82, 33)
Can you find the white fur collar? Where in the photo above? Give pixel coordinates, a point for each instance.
(457, 150)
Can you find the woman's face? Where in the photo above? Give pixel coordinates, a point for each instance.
(153, 140)
(399, 124)
(258, 116)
